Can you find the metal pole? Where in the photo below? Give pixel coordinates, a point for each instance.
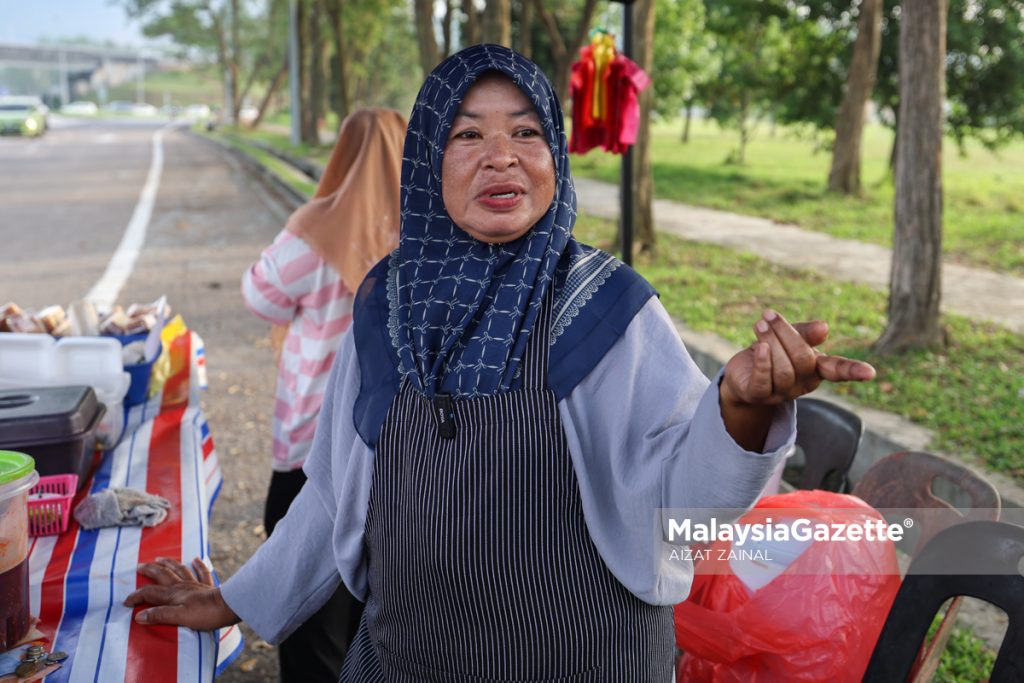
(140, 83)
(626, 185)
(65, 90)
(293, 70)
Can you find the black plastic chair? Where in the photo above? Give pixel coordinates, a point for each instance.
(829, 437)
(978, 559)
(907, 480)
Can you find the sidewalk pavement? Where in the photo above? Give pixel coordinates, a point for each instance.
(971, 292)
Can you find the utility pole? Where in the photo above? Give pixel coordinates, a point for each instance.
(140, 81)
(65, 95)
(293, 71)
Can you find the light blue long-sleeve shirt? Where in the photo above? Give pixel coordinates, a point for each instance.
(644, 430)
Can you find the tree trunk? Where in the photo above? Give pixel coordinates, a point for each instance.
(686, 122)
(446, 29)
(915, 284)
(307, 123)
(526, 29)
(342, 103)
(318, 70)
(844, 177)
(235, 58)
(472, 28)
(275, 83)
(643, 215)
(224, 62)
(741, 156)
(498, 22)
(429, 56)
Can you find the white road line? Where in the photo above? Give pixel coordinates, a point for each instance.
(105, 292)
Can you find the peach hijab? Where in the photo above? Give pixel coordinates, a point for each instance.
(352, 220)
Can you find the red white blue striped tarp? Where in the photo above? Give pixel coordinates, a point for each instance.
(78, 580)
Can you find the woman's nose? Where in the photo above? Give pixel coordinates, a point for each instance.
(499, 152)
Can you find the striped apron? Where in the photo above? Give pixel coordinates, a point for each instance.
(481, 568)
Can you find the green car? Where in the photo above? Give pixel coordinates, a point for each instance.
(22, 116)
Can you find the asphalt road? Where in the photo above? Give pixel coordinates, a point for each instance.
(65, 202)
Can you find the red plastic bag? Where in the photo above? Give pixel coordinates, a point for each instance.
(816, 621)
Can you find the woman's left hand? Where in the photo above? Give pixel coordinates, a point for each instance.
(780, 366)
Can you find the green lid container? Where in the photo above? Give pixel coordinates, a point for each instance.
(15, 466)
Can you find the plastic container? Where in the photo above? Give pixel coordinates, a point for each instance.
(38, 360)
(49, 504)
(17, 477)
(55, 425)
(138, 390)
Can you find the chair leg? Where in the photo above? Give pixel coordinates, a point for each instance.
(927, 662)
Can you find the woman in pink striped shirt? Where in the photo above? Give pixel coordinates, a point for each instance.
(303, 284)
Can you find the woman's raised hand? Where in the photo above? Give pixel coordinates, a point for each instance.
(780, 366)
(181, 596)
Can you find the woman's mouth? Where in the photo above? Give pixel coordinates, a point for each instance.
(501, 197)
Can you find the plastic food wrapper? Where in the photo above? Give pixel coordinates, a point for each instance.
(813, 613)
(180, 347)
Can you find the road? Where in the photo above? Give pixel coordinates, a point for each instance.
(65, 202)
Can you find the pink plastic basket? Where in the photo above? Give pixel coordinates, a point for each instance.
(49, 504)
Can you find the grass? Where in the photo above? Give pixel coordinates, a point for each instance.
(197, 86)
(966, 658)
(970, 394)
(297, 181)
(784, 179)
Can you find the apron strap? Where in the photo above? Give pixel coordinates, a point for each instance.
(535, 361)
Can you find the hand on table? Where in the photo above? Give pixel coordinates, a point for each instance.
(780, 366)
(181, 596)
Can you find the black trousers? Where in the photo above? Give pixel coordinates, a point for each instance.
(316, 650)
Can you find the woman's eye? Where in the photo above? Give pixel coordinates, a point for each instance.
(466, 135)
(527, 133)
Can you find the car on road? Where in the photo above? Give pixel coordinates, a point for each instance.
(80, 108)
(21, 115)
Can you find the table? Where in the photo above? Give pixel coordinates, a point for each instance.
(78, 580)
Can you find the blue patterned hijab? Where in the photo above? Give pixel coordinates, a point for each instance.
(462, 310)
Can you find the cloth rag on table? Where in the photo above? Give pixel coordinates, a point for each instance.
(117, 506)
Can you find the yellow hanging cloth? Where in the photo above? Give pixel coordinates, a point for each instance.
(603, 45)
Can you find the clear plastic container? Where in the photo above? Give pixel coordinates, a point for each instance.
(17, 477)
(39, 360)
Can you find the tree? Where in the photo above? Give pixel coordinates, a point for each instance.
(643, 54)
(497, 25)
(750, 42)
(683, 58)
(430, 56)
(985, 70)
(336, 11)
(844, 176)
(226, 30)
(915, 283)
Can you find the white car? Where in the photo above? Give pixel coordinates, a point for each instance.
(197, 112)
(80, 108)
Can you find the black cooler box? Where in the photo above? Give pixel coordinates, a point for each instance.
(55, 425)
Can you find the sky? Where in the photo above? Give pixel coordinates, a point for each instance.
(29, 21)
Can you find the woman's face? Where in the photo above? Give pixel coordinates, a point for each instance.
(498, 176)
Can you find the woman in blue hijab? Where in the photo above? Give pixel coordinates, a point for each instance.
(504, 424)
